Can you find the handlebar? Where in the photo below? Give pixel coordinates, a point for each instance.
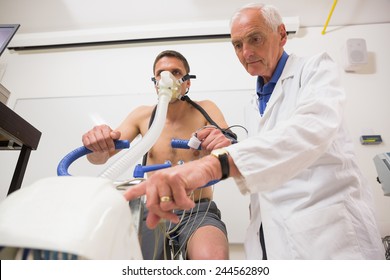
(181, 144)
(62, 168)
(140, 170)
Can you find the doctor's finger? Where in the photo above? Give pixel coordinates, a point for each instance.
(181, 200)
(135, 192)
(155, 209)
(215, 141)
(153, 219)
(220, 142)
(205, 132)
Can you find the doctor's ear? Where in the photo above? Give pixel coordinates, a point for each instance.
(283, 35)
(282, 31)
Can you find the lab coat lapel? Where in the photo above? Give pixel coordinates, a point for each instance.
(278, 90)
(253, 120)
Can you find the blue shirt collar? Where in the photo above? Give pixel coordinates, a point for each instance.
(269, 87)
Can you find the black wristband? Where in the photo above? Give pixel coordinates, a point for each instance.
(223, 157)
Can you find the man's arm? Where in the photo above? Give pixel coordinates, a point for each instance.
(214, 112)
(100, 139)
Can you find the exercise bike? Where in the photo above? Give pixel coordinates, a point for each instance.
(74, 217)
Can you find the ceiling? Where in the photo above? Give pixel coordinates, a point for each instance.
(66, 15)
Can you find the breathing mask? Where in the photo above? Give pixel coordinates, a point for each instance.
(175, 86)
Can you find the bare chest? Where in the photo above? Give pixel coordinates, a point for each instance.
(162, 150)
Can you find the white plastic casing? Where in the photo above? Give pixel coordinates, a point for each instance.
(84, 216)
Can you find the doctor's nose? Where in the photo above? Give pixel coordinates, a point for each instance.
(247, 52)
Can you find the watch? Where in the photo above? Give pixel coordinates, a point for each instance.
(223, 157)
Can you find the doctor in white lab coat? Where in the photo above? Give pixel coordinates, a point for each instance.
(307, 193)
(300, 169)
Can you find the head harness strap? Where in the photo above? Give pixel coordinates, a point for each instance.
(182, 80)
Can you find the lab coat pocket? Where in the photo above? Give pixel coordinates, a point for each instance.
(325, 233)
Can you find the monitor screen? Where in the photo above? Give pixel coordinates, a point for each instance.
(7, 31)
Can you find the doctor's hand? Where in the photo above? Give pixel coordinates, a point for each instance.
(212, 138)
(169, 189)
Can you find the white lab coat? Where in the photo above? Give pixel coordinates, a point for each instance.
(300, 169)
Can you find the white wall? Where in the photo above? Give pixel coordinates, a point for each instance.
(126, 70)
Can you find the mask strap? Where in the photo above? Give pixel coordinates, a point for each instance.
(182, 80)
(186, 77)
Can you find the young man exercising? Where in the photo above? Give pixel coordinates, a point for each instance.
(201, 234)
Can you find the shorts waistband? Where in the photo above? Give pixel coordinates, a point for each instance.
(203, 200)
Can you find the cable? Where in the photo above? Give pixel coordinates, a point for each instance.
(329, 16)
